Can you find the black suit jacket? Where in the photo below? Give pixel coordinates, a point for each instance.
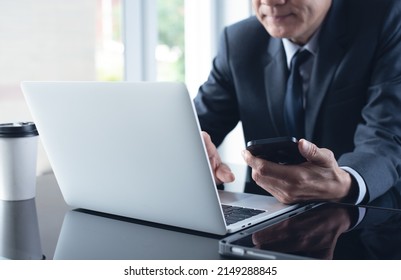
(353, 105)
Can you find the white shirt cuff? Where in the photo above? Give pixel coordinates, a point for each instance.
(360, 182)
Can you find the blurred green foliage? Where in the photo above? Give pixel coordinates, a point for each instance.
(171, 33)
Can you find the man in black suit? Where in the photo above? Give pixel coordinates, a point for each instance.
(351, 96)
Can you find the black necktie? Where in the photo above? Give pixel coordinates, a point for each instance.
(294, 114)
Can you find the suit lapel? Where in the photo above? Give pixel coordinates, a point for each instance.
(331, 51)
(332, 44)
(275, 82)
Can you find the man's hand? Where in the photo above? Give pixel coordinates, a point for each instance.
(222, 173)
(318, 179)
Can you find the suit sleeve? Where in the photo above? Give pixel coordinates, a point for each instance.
(216, 103)
(377, 153)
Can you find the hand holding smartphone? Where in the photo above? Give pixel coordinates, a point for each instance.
(281, 150)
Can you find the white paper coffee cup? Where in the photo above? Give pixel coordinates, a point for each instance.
(18, 156)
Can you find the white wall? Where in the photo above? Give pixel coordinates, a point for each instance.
(43, 40)
(47, 39)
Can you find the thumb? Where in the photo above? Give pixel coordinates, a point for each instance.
(314, 154)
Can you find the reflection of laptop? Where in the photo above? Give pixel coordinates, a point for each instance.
(135, 150)
(89, 235)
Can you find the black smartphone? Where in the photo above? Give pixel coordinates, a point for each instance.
(282, 150)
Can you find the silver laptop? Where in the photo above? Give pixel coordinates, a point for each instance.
(135, 150)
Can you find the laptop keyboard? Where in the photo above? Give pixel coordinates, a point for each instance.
(234, 214)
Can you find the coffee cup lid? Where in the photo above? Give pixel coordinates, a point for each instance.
(18, 129)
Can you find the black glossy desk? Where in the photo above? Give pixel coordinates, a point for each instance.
(78, 234)
(47, 226)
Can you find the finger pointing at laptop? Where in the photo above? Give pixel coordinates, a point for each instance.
(222, 173)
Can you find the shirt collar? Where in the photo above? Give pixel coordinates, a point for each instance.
(291, 48)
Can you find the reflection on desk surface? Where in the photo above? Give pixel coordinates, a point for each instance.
(19, 231)
(90, 235)
(330, 231)
(79, 234)
(373, 233)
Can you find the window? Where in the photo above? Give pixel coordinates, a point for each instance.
(109, 44)
(170, 49)
(175, 39)
(111, 40)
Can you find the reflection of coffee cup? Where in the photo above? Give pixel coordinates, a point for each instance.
(19, 231)
(18, 155)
